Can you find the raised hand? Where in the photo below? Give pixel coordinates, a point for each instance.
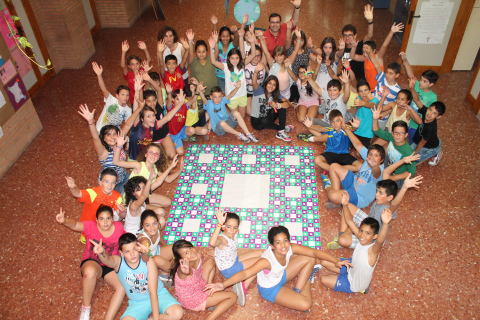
(138, 82)
(366, 48)
(215, 36)
(181, 97)
(214, 19)
(411, 158)
(372, 162)
(385, 91)
(346, 63)
(185, 43)
(233, 28)
(341, 44)
(168, 88)
(403, 55)
(343, 124)
(85, 113)
(345, 198)
(368, 13)
(142, 45)
(121, 139)
(97, 69)
(376, 111)
(298, 33)
(70, 182)
(152, 175)
(221, 215)
(309, 42)
(319, 58)
(245, 19)
(97, 247)
(412, 182)
(355, 122)
(344, 76)
(141, 104)
(174, 162)
(287, 63)
(125, 46)
(308, 122)
(185, 266)
(259, 34)
(289, 24)
(260, 66)
(145, 66)
(296, 3)
(145, 76)
(411, 82)
(386, 216)
(397, 27)
(211, 42)
(60, 217)
(161, 46)
(191, 34)
(241, 33)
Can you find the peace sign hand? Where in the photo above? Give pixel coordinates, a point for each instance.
(185, 266)
(97, 246)
(60, 217)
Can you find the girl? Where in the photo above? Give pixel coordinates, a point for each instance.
(309, 92)
(107, 231)
(191, 275)
(234, 71)
(201, 68)
(226, 258)
(152, 157)
(268, 105)
(221, 50)
(327, 59)
(304, 54)
(137, 190)
(398, 110)
(155, 245)
(104, 145)
(277, 266)
(195, 118)
(169, 35)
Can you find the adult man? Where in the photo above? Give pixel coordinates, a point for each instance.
(275, 35)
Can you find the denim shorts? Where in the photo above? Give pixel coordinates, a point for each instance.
(348, 185)
(270, 294)
(140, 310)
(342, 284)
(236, 268)
(177, 139)
(230, 121)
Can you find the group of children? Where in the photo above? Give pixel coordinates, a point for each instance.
(391, 128)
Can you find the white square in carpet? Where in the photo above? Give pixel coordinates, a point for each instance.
(249, 159)
(205, 158)
(293, 192)
(292, 160)
(244, 227)
(191, 225)
(295, 228)
(200, 189)
(245, 191)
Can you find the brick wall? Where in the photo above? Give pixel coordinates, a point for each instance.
(64, 27)
(120, 13)
(18, 132)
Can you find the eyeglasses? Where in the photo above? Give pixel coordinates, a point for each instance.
(399, 133)
(156, 154)
(347, 35)
(258, 56)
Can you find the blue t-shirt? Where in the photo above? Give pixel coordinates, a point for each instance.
(222, 57)
(366, 117)
(365, 183)
(337, 142)
(217, 112)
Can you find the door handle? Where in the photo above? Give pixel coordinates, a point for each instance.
(410, 18)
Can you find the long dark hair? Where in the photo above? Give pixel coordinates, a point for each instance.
(177, 257)
(303, 37)
(276, 92)
(308, 87)
(240, 64)
(131, 186)
(334, 49)
(106, 129)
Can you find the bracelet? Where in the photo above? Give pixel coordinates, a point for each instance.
(191, 41)
(371, 22)
(349, 68)
(121, 147)
(297, 8)
(219, 225)
(212, 49)
(301, 41)
(91, 123)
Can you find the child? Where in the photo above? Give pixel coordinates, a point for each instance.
(337, 144)
(153, 157)
(173, 72)
(364, 103)
(222, 46)
(276, 267)
(425, 141)
(360, 187)
(365, 255)
(103, 229)
(196, 118)
(333, 98)
(398, 110)
(156, 247)
(191, 273)
(398, 146)
(304, 54)
(268, 105)
(105, 145)
(104, 194)
(169, 36)
(146, 293)
(133, 65)
(220, 120)
(226, 257)
(327, 59)
(201, 67)
(116, 109)
(424, 90)
(385, 197)
(137, 191)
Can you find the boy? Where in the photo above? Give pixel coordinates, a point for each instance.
(337, 143)
(388, 79)
(220, 120)
(333, 98)
(423, 88)
(116, 110)
(425, 140)
(398, 146)
(176, 126)
(173, 74)
(360, 187)
(365, 255)
(155, 77)
(386, 197)
(133, 65)
(363, 104)
(145, 291)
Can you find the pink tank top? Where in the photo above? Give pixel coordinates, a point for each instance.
(283, 80)
(304, 97)
(189, 291)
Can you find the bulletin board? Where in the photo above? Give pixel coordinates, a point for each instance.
(7, 110)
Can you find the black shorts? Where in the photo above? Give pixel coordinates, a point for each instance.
(249, 95)
(105, 270)
(363, 140)
(342, 158)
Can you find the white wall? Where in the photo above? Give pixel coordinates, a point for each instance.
(89, 13)
(471, 41)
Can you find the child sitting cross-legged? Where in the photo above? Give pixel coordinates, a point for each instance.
(365, 255)
(226, 258)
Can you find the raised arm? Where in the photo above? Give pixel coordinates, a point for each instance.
(69, 223)
(214, 21)
(142, 46)
(296, 11)
(292, 75)
(123, 64)
(382, 235)
(263, 44)
(314, 85)
(309, 124)
(321, 255)
(297, 46)
(288, 34)
(347, 215)
(116, 155)
(357, 144)
(238, 84)
(135, 205)
(110, 261)
(376, 111)
(259, 67)
(133, 119)
(155, 87)
(74, 190)
(408, 67)
(341, 50)
(353, 51)
(407, 184)
(374, 60)
(383, 49)
(215, 241)
(346, 89)
(162, 176)
(190, 37)
(161, 47)
(213, 42)
(368, 14)
(102, 153)
(98, 71)
(388, 171)
(170, 114)
(416, 97)
(241, 46)
(185, 53)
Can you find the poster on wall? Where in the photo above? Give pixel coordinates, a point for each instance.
(21, 61)
(17, 93)
(433, 21)
(7, 71)
(7, 35)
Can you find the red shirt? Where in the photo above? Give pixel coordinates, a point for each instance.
(175, 80)
(131, 83)
(178, 121)
(93, 198)
(279, 40)
(90, 230)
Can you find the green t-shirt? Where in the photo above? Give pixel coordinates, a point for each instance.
(427, 98)
(204, 73)
(396, 153)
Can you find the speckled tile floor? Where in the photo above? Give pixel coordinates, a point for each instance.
(429, 267)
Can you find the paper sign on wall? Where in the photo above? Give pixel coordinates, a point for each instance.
(7, 71)
(7, 35)
(2, 100)
(21, 61)
(433, 21)
(17, 93)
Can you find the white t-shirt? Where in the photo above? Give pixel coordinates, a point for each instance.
(231, 78)
(272, 277)
(113, 113)
(323, 77)
(336, 104)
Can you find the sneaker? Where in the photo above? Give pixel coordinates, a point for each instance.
(243, 138)
(289, 128)
(283, 136)
(238, 289)
(85, 313)
(366, 290)
(191, 139)
(330, 205)
(333, 245)
(325, 172)
(433, 161)
(212, 308)
(244, 288)
(304, 136)
(315, 270)
(252, 137)
(206, 137)
(326, 181)
(167, 282)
